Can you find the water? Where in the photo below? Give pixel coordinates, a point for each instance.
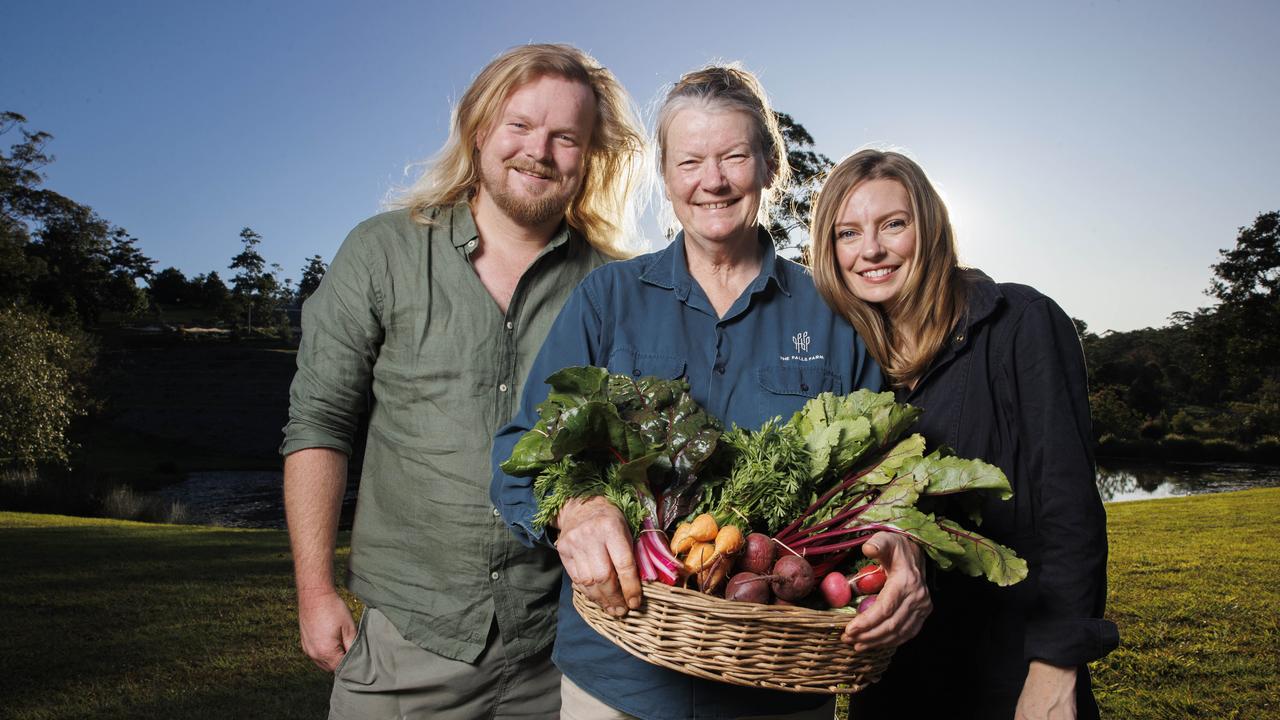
(253, 498)
(240, 498)
(1122, 482)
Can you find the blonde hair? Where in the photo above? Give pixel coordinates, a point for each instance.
(604, 209)
(731, 87)
(933, 297)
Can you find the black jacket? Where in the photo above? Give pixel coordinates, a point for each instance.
(1010, 388)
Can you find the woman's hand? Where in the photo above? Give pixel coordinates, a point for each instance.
(902, 605)
(1049, 693)
(595, 549)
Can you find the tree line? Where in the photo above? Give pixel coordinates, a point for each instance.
(1207, 384)
(64, 270)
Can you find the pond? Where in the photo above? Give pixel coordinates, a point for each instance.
(1121, 482)
(253, 498)
(240, 498)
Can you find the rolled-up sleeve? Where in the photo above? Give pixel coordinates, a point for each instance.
(341, 334)
(574, 340)
(1065, 625)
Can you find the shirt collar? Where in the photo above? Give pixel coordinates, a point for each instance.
(669, 268)
(463, 232)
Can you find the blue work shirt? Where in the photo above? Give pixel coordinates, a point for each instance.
(777, 346)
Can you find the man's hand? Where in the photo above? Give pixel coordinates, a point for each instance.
(1049, 693)
(595, 549)
(326, 627)
(902, 606)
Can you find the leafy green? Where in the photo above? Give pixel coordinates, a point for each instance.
(769, 483)
(615, 436)
(834, 474)
(986, 557)
(838, 430)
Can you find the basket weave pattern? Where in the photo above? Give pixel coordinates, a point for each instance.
(767, 646)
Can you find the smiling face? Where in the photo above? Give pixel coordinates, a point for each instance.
(875, 240)
(533, 157)
(714, 174)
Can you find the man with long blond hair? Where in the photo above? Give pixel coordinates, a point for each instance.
(426, 323)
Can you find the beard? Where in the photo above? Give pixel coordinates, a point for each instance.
(528, 211)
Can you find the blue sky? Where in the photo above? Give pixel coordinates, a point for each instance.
(1102, 152)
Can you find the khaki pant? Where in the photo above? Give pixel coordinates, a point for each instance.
(578, 704)
(385, 676)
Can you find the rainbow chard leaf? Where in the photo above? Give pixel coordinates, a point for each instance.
(983, 556)
(950, 475)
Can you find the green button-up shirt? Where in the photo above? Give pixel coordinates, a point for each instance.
(402, 328)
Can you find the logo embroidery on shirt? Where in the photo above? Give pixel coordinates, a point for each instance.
(801, 341)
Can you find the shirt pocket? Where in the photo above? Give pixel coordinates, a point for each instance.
(784, 388)
(626, 361)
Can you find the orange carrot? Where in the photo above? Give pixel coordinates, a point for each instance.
(704, 528)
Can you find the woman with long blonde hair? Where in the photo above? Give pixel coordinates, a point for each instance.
(999, 373)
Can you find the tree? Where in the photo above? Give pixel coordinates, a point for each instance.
(1247, 321)
(42, 389)
(55, 252)
(210, 292)
(171, 287)
(312, 274)
(792, 212)
(256, 291)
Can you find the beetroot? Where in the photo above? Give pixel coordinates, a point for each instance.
(792, 577)
(866, 602)
(759, 555)
(748, 587)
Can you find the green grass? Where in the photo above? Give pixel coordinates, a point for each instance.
(109, 619)
(1195, 589)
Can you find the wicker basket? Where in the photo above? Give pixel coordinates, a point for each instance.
(767, 646)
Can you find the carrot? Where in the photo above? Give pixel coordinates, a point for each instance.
(729, 541)
(704, 528)
(699, 556)
(682, 540)
(714, 573)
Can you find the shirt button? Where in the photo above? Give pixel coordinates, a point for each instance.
(636, 372)
(510, 325)
(496, 513)
(720, 369)
(502, 387)
(471, 244)
(804, 387)
(493, 576)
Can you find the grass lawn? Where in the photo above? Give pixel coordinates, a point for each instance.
(111, 619)
(1194, 584)
(115, 619)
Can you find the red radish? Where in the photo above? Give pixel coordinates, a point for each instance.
(866, 602)
(792, 577)
(836, 590)
(869, 580)
(759, 555)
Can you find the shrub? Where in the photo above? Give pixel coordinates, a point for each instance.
(1153, 429)
(42, 387)
(1181, 447)
(124, 503)
(1220, 449)
(1111, 415)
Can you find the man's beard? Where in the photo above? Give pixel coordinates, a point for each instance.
(529, 212)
